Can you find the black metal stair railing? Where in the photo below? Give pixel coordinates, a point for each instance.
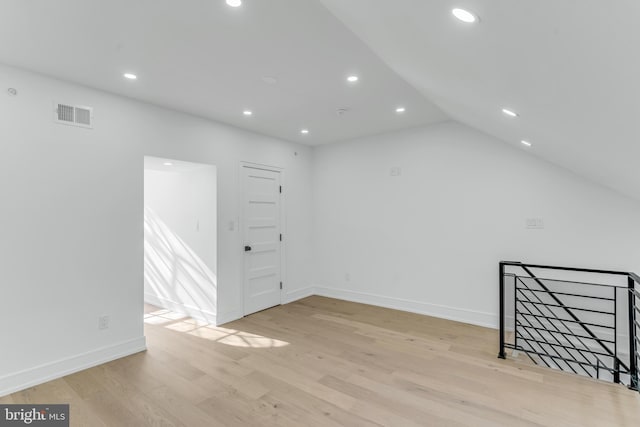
(634, 322)
(558, 341)
(574, 325)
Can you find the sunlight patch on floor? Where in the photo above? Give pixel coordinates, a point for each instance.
(232, 337)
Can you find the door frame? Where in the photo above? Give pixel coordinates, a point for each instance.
(241, 242)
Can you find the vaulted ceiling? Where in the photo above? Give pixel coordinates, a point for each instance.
(568, 68)
(286, 61)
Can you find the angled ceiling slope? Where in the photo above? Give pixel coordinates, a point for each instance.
(285, 60)
(569, 68)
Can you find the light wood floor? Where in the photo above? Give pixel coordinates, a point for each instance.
(324, 362)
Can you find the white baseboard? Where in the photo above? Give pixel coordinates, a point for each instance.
(479, 318)
(287, 297)
(60, 368)
(298, 294)
(188, 310)
(229, 316)
(50, 371)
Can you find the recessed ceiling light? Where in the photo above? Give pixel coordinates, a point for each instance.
(400, 110)
(247, 112)
(130, 76)
(527, 143)
(168, 164)
(352, 79)
(234, 3)
(464, 15)
(304, 131)
(509, 112)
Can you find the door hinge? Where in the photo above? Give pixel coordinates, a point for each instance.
(281, 189)
(281, 237)
(280, 285)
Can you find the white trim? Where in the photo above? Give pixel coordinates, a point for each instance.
(229, 316)
(479, 318)
(241, 229)
(262, 166)
(298, 294)
(50, 371)
(287, 297)
(188, 310)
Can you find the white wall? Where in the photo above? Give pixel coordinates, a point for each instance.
(430, 239)
(71, 223)
(180, 241)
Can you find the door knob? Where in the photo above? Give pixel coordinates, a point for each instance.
(247, 248)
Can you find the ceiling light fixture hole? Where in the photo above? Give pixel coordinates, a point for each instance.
(509, 113)
(465, 15)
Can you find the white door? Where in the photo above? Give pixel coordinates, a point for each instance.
(262, 238)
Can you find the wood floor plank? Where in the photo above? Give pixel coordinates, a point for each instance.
(325, 362)
(314, 411)
(56, 392)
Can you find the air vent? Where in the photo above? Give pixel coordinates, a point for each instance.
(74, 115)
(65, 113)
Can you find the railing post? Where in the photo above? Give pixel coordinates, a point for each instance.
(633, 367)
(616, 361)
(501, 353)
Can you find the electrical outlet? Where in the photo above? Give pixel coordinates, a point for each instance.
(103, 322)
(534, 223)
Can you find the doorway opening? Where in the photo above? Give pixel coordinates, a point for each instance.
(180, 237)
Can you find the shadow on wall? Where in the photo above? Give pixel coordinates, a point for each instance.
(174, 273)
